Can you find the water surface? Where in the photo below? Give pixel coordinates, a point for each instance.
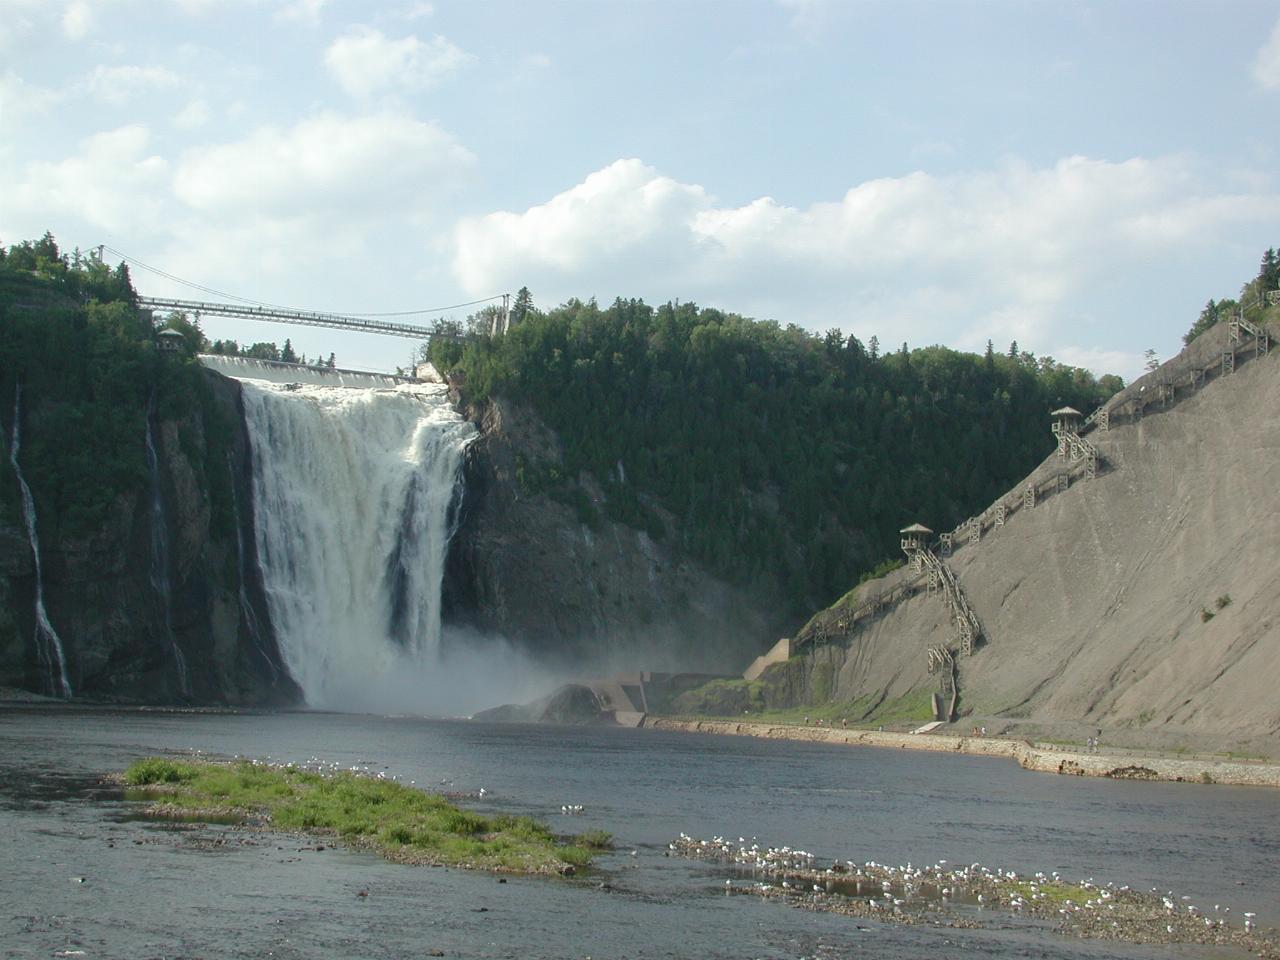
(81, 874)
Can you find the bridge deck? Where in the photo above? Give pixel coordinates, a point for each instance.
(281, 315)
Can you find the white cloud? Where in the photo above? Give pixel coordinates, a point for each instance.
(301, 11)
(366, 61)
(623, 212)
(808, 17)
(194, 114)
(114, 183)
(118, 85)
(1005, 254)
(313, 211)
(76, 20)
(15, 21)
(419, 10)
(360, 165)
(1266, 66)
(1102, 360)
(19, 99)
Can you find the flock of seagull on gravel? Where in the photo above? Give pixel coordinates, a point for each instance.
(883, 887)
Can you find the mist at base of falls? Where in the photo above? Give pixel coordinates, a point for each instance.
(356, 493)
(470, 673)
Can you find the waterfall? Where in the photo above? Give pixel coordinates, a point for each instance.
(247, 613)
(48, 643)
(355, 498)
(160, 556)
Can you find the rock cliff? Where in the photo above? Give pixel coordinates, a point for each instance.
(101, 594)
(585, 596)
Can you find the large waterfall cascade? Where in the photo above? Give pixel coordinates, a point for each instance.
(160, 556)
(355, 495)
(48, 643)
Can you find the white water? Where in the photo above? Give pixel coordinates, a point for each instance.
(48, 643)
(241, 368)
(160, 559)
(354, 494)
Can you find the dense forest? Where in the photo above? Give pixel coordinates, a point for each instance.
(765, 449)
(83, 360)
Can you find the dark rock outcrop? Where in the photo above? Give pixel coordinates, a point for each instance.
(118, 639)
(524, 565)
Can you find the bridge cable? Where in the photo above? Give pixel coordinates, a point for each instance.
(278, 306)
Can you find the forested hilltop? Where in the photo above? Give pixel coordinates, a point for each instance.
(766, 450)
(134, 576)
(73, 341)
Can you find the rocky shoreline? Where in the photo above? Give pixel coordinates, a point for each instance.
(1028, 755)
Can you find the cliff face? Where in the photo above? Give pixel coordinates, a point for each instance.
(1145, 602)
(101, 591)
(523, 565)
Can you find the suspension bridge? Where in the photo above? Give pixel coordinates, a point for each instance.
(239, 311)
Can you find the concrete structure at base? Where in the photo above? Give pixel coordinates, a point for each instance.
(1045, 759)
(780, 652)
(625, 699)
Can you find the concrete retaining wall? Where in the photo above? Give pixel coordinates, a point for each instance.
(1027, 755)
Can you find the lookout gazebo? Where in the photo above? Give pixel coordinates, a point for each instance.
(169, 341)
(915, 538)
(1066, 420)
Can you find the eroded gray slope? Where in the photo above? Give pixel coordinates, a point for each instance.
(1092, 601)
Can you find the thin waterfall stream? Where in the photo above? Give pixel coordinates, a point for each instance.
(48, 643)
(160, 580)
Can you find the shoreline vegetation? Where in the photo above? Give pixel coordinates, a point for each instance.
(1038, 757)
(402, 823)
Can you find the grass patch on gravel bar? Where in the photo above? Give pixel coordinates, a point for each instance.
(402, 823)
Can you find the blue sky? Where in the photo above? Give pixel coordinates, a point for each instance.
(1079, 177)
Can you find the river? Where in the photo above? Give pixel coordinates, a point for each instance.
(82, 873)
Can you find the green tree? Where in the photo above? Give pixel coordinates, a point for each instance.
(263, 351)
(522, 306)
(192, 336)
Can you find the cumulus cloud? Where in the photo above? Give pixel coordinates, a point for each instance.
(194, 114)
(416, 11)
(19, 99)
(1266, 66)
(16, 20)
(366, 61)
(114, 183)
(76, 20)
(118, 85)
(1004, 254)
(358, 165)
(623, 213)
(301, 11)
